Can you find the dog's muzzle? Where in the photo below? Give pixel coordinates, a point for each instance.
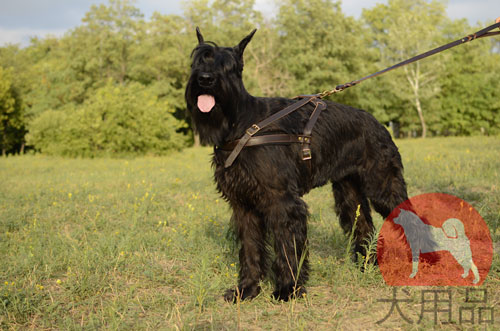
(206, 79)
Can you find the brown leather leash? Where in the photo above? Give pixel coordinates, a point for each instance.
(479, 34)
(249, 138)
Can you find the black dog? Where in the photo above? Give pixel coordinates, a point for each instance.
(265, 183)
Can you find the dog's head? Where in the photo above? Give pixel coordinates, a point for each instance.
(215, 83)
(403, 217)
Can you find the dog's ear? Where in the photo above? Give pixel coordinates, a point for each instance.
(241, 46)
(199, 36)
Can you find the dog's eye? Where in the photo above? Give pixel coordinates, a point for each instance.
(207, 56)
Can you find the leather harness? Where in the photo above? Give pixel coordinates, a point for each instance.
(249, 138)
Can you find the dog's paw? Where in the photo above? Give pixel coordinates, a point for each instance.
(239, 293)
(230, 295)
(288, 292)
(364, 264)
(364, 258)
(413, 274)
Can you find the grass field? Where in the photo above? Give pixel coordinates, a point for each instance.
(145, 244)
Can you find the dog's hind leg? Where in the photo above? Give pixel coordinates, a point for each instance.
(348, 196)
(386, 187)
(287, 217)
(253, 255)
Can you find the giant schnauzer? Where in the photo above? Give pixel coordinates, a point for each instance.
(265, 184)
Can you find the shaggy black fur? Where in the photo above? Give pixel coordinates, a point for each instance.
(265, 184)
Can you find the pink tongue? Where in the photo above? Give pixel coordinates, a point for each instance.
(206, 103)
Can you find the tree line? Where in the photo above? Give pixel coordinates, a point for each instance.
(114, 85)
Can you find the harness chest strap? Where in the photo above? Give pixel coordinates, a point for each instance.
(249, 138)
(319, 106)
(268, 139)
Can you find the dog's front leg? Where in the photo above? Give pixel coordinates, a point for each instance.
(288, 219)
(253, 254)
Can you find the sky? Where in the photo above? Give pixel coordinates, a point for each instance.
(22, 19)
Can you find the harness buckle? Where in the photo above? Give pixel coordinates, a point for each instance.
(252, 130)
(306, 154)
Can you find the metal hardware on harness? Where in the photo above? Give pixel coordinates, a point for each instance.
(306, 145)
(306, 154)
(253, 130)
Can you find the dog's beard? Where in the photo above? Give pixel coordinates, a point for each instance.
(212, 127)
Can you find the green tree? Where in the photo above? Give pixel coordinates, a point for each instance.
(118, 120)
(469, 98)
(51, 80)
(106, 38)
(19, 66)
(68, 70)
(224, 21)
(262, 74)
(114, 85)
(162, 60)
(405, 28)
(320, 47)
(11, 117)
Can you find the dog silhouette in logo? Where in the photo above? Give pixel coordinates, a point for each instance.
(424, 238)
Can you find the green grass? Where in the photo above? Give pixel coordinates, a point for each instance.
(145, 244)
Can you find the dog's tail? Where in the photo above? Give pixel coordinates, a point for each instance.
(454, 228)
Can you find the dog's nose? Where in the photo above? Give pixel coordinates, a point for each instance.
(206, 79)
